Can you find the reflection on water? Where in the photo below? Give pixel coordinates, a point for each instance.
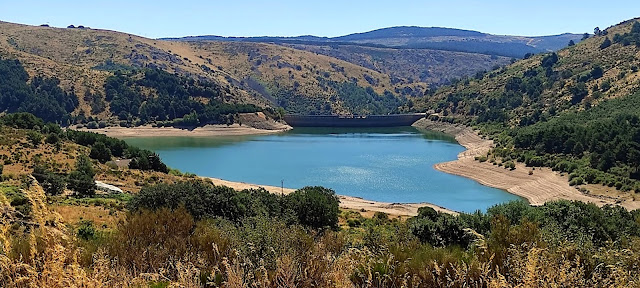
(383, 164)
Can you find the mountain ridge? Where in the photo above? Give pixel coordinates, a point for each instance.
(439, 38)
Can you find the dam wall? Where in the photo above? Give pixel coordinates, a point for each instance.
(396, 120)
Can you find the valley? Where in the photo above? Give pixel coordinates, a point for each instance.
(403, 156)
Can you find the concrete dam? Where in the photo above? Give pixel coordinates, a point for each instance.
(395, 120)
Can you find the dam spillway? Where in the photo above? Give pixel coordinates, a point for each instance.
(393, 120)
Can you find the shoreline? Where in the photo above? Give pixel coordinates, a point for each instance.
(346, 202)
(204, 131)
(541, 186)
(538, 188)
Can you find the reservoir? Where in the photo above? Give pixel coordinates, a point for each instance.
(382, 164)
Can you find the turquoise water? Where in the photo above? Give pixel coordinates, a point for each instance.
(382, 164)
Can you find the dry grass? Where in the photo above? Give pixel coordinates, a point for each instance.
(53, 261)
(71, 55)
(102, 217)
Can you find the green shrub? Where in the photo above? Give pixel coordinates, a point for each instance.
(86, 230)
(317, 207)
(92, 125)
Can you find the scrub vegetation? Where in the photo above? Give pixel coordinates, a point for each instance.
(179, 230)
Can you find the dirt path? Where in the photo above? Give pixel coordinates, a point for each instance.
(541, 186)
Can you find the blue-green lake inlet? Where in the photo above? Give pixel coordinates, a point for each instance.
(381, 164)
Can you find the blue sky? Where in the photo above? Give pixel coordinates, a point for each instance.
(163, 18)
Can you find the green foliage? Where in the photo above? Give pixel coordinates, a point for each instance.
(18, 200)
(175, 99)
(147, 160)
(364, 101)
(42, 96)
(438, 229)
(549, 60)
(603, 139)
(315, 207)
(606, 43)
(51, 183)
(34, 137)
(86, 230)
(81, 179)
(632, 37)
(200, 199)
(140, 158)
(100, 152)
(22, 121)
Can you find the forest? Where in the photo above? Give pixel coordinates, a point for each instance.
(355, 99)
(42, 96)
(173, 100)
(552, 114)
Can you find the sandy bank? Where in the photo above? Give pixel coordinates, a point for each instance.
(205, 131)
(542, 186)
(346, 202)
(252, 124)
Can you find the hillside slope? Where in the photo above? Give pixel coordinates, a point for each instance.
(435, 67)
(247, 73)
(575, 111)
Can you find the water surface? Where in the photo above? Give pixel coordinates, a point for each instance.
(381, 164)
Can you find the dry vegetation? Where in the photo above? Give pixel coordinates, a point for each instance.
(83, 58)
(67, 241)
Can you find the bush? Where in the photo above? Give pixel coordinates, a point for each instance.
(606, 43)
(100, 152)
(438, 229)
(81, 180)
(34, 137)
(52, 138)
(200, 199)
(92, 125)
(317, 207)
(481, 158)
(576, 181)
(86, 230)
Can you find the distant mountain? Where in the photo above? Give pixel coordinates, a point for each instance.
(409, 32)
(411, 37)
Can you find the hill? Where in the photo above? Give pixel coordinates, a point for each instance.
(574, 111)
(265, 75)
(434, 38)
(432, 67)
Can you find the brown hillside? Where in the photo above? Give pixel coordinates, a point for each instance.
(83, 58)
(619, 64)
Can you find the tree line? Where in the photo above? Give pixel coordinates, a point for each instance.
(42, 96)
(173, 101)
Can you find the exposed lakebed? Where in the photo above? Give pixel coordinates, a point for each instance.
(382, 164)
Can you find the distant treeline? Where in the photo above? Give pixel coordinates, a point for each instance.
(600, 145)
(153, 95)
(103, 148)
(42, 96)
(136, 96)
(356, 99)
(514, 50)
